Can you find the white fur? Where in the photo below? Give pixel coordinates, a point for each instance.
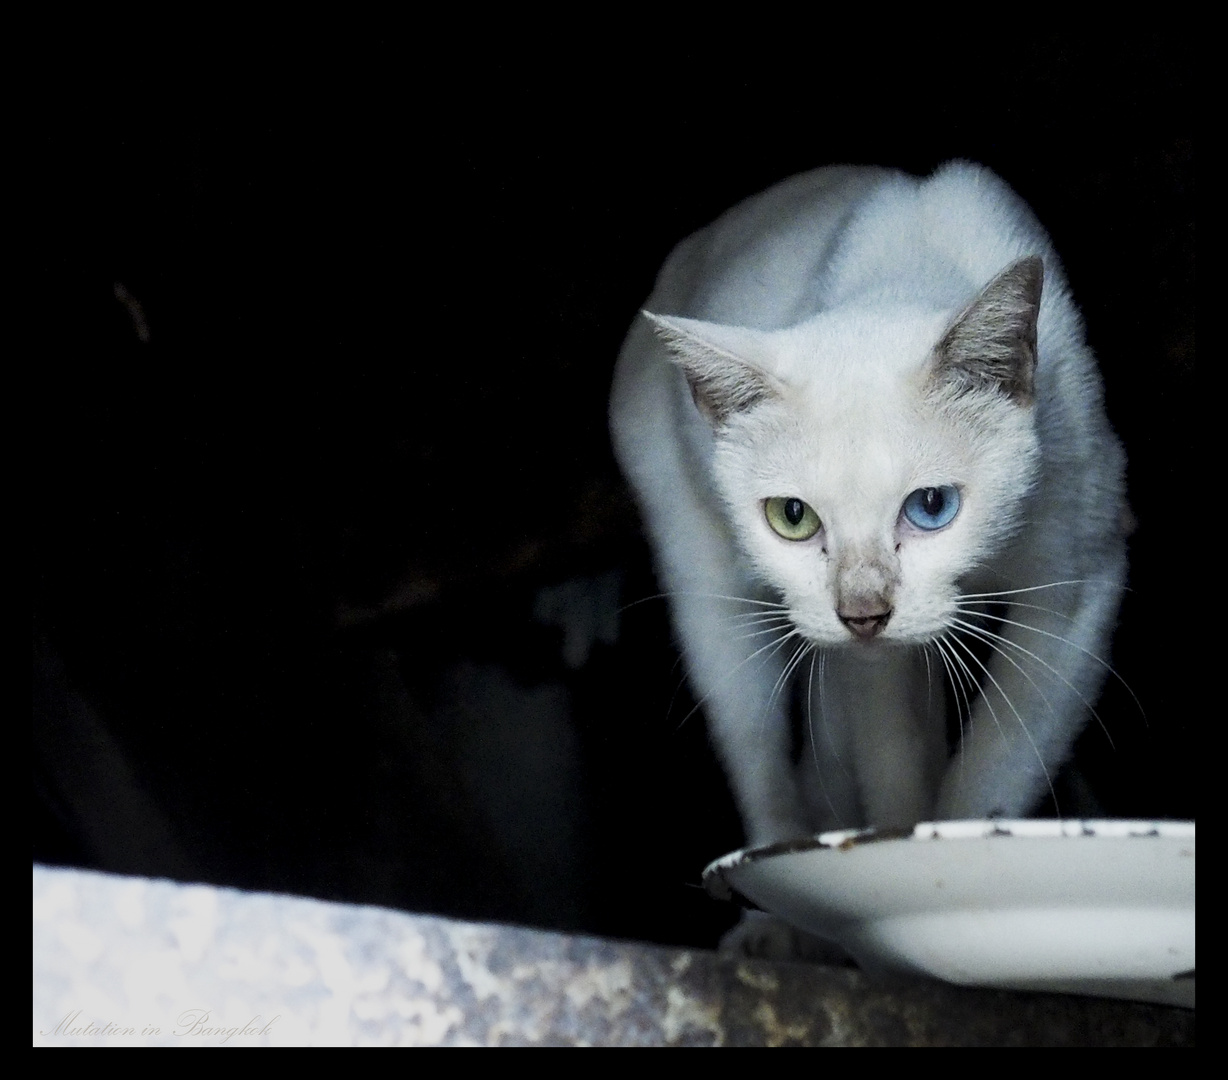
(813, 313)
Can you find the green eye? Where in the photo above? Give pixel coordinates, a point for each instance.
(791, 518)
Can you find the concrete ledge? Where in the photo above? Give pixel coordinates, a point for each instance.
(133, 961)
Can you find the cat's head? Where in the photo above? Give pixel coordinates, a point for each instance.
(872, 457)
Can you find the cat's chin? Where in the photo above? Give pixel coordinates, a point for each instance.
(874, 649)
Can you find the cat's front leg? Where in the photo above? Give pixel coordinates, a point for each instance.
(1038, 689)
(738, 674)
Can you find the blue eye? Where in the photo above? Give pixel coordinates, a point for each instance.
(931, 508)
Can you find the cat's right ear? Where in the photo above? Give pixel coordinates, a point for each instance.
(717, 362)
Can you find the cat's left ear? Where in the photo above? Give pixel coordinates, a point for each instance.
(993, 341)
(719, 363)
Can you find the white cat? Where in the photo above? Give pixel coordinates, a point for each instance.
(864, 431)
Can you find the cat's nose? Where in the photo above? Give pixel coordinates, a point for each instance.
(865, 620)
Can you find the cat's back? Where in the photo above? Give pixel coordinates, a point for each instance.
(760, 263)
(859, 234)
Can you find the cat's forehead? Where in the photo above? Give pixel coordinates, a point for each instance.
(855, 414)
(859, 352)
(822, 442)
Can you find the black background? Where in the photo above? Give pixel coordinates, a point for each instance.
(382, 306)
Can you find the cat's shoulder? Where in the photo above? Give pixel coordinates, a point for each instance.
(837, 192)
(718, 273)
(799, 202)
(842, 221)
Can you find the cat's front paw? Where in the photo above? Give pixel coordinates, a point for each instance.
(762, 936)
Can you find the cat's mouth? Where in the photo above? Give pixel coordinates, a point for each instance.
(865, 625)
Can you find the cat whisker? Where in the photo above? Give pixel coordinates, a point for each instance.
(973, 608)
(759, 618)
(996, 641)
(768, 650)
(670, 596)
(819, 656)
(791, 665)
(754, 601)
(1010, 705)
(786, 673)
(746, 627)
(751, 635)
(816, 657)
(820, 733)
(930, 681)
(961, 678)
(1004, 621)
(998, 594)
(774, 621)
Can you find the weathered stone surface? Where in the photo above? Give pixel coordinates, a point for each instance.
(121, 960)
